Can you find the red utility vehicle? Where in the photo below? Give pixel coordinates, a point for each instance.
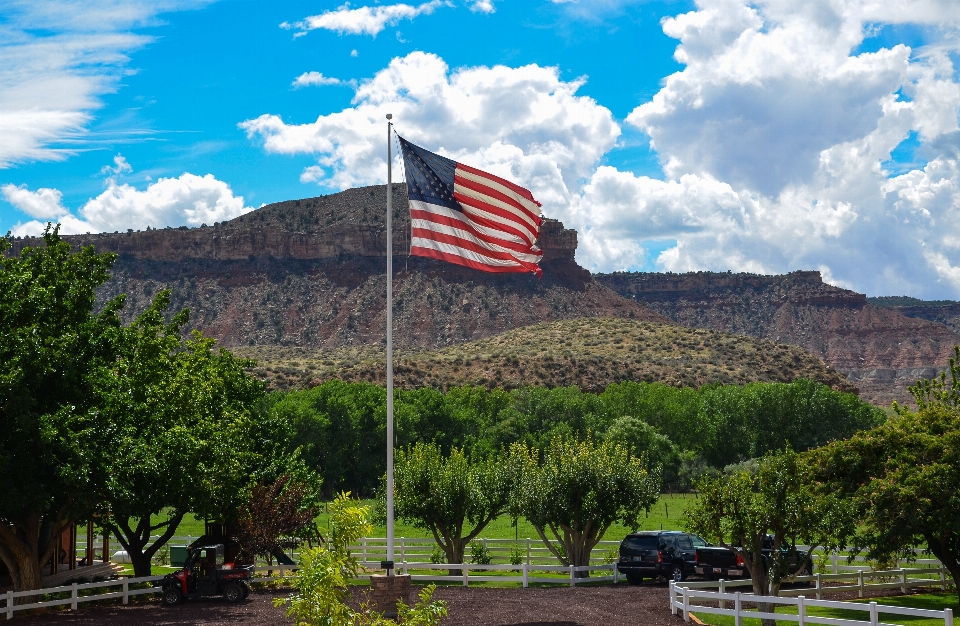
(205, 573)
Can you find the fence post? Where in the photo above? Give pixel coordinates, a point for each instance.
(616, 574)
(833, 560)
(526, 575)
(948, 617)
(943, 577)
(403, 551)
(723, 589)
(818, 586)
(126, 591)
(528, 550)
(573, 582)
(466, 582)
(738, 606)
(73, 597)
(686, 604)
(860, 582)
(801, 611)
(903, 581)
(670, 594)
(363, 544)
(874, 616)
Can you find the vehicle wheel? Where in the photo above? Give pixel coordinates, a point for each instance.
(246, 590)
(172, 596)
(677, 574)
(232, 592)
(634, 579)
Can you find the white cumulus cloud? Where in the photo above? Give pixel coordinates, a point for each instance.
(44, 203)
(362, 20)
(314, 79)
(525, 124)
(776, 140)
(188, 200)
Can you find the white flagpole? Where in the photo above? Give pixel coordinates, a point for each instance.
(389, 348)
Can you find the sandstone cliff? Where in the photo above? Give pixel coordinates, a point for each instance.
(882, 351)
(312, 273)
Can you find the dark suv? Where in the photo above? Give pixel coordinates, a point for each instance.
(656, 554)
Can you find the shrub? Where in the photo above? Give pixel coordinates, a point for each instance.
(479, 554)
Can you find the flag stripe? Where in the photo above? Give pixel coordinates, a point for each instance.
(480, 232)
(506, 183)
(458, 259)
(532, 207)
(423, 228)
(479, 197)
(471, 247)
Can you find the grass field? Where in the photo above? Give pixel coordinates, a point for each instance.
(932, 601)
(666, 514)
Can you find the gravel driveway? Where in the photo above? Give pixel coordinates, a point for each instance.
(474, 606)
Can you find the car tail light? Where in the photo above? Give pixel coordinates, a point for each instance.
(739, 560)
(659, 557)
(696, 557)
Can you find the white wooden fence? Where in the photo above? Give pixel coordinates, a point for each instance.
(861, 581)
(532, 551)
(525, 574)
(682, 599)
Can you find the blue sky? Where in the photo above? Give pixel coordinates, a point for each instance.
(674, 136)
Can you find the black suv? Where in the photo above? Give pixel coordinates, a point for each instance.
(656, 554)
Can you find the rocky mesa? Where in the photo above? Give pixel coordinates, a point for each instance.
(881, 350)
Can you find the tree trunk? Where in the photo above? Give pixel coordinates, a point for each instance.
(135, 540)
(26, 544)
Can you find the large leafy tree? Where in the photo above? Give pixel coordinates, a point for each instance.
(451, 496)
(780, 498)
(182, 412)
(578, 490)
(904, 476)
(56, 443)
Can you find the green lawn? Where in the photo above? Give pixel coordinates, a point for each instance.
(666, 514)
(932, 601)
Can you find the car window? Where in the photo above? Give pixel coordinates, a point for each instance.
(643, 542)
(698, 541)
(667, 542)
(684, 542)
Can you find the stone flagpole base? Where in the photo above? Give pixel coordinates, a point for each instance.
(388, 590)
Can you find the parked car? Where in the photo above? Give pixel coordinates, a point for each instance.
(717, 562)
(658, 554)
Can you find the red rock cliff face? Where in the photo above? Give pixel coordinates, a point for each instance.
(880, 350)
(312, 273)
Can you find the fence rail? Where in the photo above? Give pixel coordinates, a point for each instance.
(902, 579)
(682, 600)
(526, 575)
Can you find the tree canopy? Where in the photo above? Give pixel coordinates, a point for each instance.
(451, 496)
(56, 442)
(578, 489)
(903, 477)
(780, 498)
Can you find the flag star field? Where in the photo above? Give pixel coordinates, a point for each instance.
(751, 136)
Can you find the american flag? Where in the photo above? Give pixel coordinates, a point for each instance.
(465, 216)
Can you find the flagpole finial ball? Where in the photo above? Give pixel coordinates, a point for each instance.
(389, 116)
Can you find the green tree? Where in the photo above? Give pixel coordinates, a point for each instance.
(182, 415)
(56, 445)
(578, 490)
(904, 476)
(450, 496)
(640, 438)
(781, 499)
